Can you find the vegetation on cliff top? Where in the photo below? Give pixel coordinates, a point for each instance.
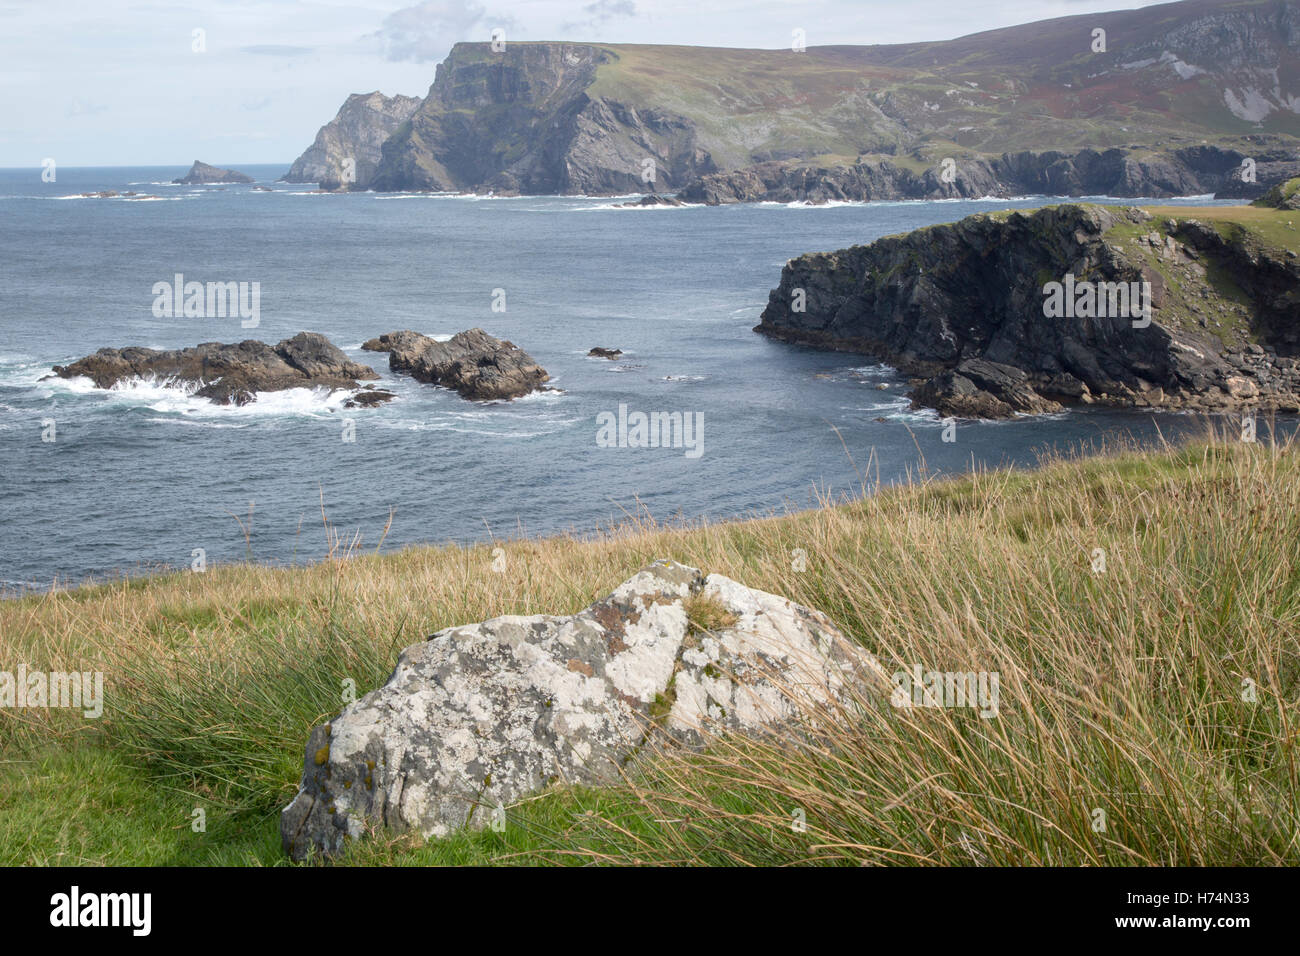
(1161, 690)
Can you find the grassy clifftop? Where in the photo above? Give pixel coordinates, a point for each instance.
(1141, 609)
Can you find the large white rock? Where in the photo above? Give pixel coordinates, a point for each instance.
(481, 715)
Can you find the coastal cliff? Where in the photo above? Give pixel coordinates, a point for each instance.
(523, 120)
(1191, 171)
(1185, 98)
(1017, 312)
(347, 148)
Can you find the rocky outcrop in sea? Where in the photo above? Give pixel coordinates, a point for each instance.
(476, 365)
(1019, 313)
(233, 374)
(201, 174)
(480, 716)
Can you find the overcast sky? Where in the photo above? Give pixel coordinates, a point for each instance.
(118, 82)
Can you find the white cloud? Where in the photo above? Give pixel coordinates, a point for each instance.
(428, 30)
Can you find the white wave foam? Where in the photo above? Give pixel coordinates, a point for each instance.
(636, 207)
(545, 395)
(873, 371)
(178, 398)
(470, 197)
(26, 375)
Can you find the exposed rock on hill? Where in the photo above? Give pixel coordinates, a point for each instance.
(966, 307)
(475, 364)
(202, 174)
(1282, 196)
(231, 374)
(480, 716)
(354, 136)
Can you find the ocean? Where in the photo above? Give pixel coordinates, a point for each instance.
(139, 478)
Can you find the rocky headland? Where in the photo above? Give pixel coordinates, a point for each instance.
(233, 374)
(971, 310)
(347, 149)
(476, 365)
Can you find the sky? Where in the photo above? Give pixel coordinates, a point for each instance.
(231, 82)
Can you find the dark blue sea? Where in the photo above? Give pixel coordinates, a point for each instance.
(138, 477)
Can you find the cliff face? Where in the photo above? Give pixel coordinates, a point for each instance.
(355, 134)
(1115, 172)
(963, 305)
(523, 121)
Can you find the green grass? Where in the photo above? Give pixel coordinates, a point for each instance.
(1279, 228)
(1120, 691)
(1228, 313)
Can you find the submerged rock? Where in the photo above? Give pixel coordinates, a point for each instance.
(202, 174)
(229, 374)
(475, 364)
(479, 716)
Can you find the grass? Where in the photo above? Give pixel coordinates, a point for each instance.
(1148, 714)
(1274, 227)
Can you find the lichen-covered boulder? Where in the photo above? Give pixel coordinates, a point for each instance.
(481, 715)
